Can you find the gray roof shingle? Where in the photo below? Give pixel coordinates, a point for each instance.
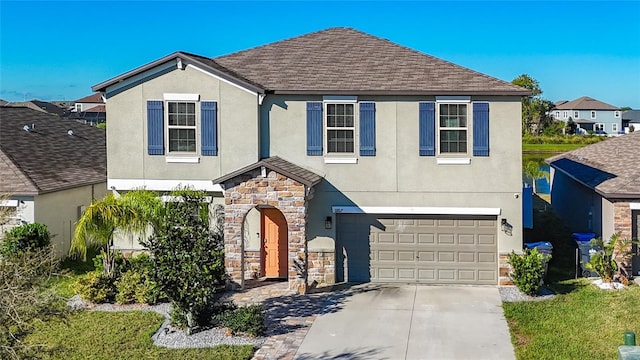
(280, 166)
(346, 60)
(609, 167)
(585, 103)
(46, 158)
(341, 61)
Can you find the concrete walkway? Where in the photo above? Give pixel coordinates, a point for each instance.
(410, 322)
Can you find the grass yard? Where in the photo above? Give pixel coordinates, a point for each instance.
(550, 148)
(582, 322)
(122, 335)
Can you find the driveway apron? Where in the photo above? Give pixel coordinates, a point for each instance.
(412, 322)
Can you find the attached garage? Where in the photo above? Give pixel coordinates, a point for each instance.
(417, 249)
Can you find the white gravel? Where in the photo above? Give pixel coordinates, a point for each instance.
(167, 335)
(513, 294)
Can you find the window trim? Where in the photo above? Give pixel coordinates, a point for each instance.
(346, 157)
(593, 114)
(595, 127)
(468, 128)
(576, 114)
(614, 127)
(195, 127)
(565, 114)
(556, 114)
(616, 113)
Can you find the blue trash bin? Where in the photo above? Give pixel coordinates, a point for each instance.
(583, 256)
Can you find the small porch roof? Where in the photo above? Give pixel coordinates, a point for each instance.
(279, 165)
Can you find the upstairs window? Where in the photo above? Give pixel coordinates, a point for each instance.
(340, 128)
(453, 128)
(556, 114)
(576, 114)
(78, 107)
(565, 114)
(616, 114)
(614, 127)
(181, 126)
(593, 114)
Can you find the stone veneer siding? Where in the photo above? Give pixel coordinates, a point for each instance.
(249, 190)
(322, 266)
(622, 224)
(504, 269)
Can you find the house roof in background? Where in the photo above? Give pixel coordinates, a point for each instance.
(46, 158)
(608, 167)
(632, 115)
(94, 98)
(585, 103)
(38, 105)
(341, 61)
(280, 166)
(98, 108)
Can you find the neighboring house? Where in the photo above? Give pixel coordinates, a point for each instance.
(631, 121)
(363, 159)
(47, 171)
(597, 188)
(590, 115)
(38, 105)
(88, 102)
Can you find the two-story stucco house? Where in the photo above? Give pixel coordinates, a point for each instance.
(590, 115)
(360, 159)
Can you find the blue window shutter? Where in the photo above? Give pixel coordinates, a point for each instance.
(427, 129)
(155, 128)
(480, 129)
(314, 128)
(209, 121)
(367, 129)
(527, 208)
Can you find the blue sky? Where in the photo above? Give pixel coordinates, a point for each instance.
(57, 50)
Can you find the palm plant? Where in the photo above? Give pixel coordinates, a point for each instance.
(134, 211)
(604, 261)
(532, 170)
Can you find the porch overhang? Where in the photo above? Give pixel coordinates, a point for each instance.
(279, 165)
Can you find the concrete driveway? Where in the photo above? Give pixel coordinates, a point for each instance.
(412, 322)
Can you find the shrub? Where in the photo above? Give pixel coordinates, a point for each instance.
(28, 237)
(604, 262)
(126, 287)
(528, 270)
(246, 319)
(95, 287)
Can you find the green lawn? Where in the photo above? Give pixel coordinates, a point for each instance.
(551, 148)
(122, 335)
(582, 322)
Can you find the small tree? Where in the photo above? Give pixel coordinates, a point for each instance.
(188, 257)
(532, 170)
(571, 127)
(528, 270)
(24, 238)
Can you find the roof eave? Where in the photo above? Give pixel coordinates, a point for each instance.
(401, 92)
(102, 87)
(269, 166)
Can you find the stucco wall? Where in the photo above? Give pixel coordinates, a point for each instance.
(60, 210)
(397, 175)
(607, 219)
(127, 131)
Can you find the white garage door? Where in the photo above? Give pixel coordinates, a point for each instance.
(422, 249)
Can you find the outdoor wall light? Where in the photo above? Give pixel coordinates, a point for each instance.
(327, 222)
(506, 227)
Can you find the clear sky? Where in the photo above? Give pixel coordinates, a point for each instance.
(57, 50)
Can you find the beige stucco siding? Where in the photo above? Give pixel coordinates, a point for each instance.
(397, 176)
(59, 212)
(608, 218)
(127, 130)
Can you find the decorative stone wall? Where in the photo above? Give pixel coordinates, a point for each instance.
(322, 266)
(622, 224)
(252, 265)
(249, 190)
(503, 270)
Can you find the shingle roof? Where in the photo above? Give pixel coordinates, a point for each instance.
(46, 158)
(38, 105)
(585, 103)
(280, 166)
(347, 60)
(631, 115)
(609, 167)
(94, 98)
(341, 61)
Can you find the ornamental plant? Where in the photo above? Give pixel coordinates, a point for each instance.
(528, 270)
(604, 261)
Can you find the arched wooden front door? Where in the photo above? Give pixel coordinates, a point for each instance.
(274, 243)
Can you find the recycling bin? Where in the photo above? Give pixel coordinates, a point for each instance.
(583, 253)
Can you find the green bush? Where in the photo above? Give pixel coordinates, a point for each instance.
(126, 287)
(247, 319)
(28, 237)
(95, 287)
(528, 270)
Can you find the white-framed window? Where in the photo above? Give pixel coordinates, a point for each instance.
(78, 107)
(181, 126)
(452, 128)
(340, 127)
(598, 127)
(616, 114)
(614, 127)
(565, 114)
(556, 114)
(576, 114)
(593, 114)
